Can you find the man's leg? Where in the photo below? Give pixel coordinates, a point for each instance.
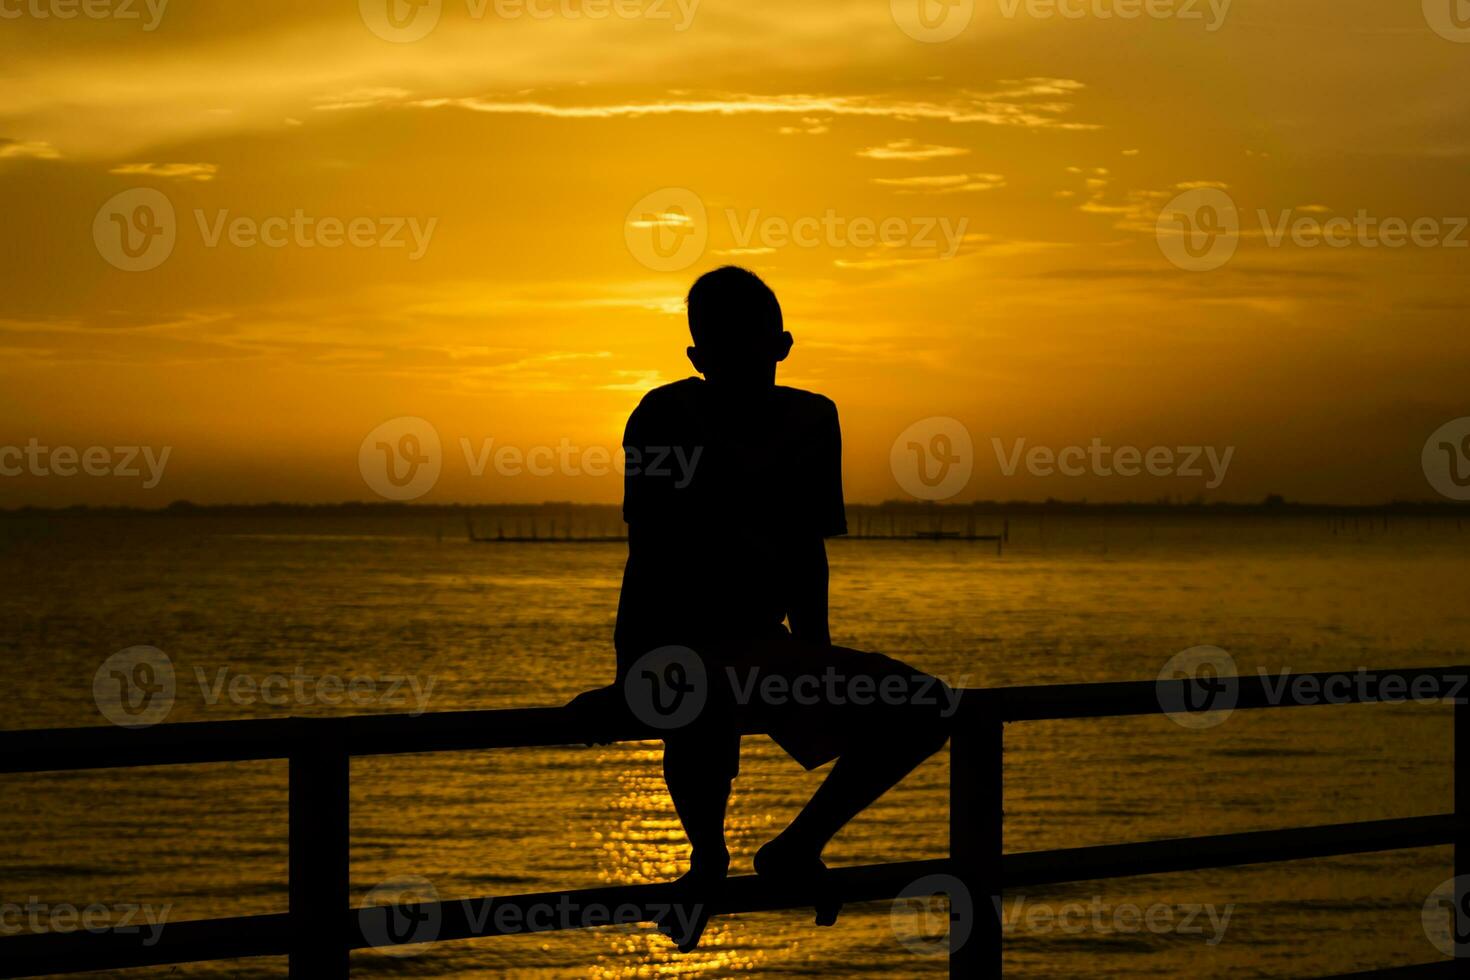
(699, 769)
(860, 776)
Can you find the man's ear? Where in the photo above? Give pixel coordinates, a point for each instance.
(693, 353)
(783, 345)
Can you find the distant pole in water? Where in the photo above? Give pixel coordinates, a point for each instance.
(1005, 530)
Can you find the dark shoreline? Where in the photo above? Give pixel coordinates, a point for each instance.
(1272, 508)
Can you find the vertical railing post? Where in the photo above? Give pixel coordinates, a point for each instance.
(1462, 836)
(320, 863)
(976, 791)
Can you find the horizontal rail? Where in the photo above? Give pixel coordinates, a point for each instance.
(105, 747)
(1113, 699)
(198, 941)
(1030, 868)
(269, 935)
(109, 747)
(1419, 971)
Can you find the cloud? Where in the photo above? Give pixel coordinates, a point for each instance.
(1006, 107)
(30, 150)
(175, 171)
(944, 183)
(911, 150)
(361, 98)
(810, 126)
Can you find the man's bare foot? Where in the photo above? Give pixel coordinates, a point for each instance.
(694, 892)
(800, 867)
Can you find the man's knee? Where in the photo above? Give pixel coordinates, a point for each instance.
(705, 760)
(928, 724)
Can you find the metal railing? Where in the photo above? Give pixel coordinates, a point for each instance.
(321, 929)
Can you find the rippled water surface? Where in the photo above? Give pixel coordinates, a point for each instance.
(498, 625)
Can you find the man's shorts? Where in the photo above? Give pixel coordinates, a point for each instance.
(816, 702)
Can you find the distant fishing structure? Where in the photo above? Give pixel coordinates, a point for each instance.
(865, 532)
(936, 532)
(535, 537)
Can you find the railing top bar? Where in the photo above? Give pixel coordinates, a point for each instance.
(102, 747)
(1260, 690)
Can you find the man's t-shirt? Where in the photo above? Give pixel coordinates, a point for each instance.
(719, 494)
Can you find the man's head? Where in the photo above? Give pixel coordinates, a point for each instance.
(736, 325)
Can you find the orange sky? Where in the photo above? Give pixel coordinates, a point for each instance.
(1019, 169)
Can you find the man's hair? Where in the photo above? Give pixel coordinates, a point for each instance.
(730, 302)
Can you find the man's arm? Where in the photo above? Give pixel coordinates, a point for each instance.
(825, 516)
(808, 590)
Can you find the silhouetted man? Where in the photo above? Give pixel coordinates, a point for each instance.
(733, 482)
